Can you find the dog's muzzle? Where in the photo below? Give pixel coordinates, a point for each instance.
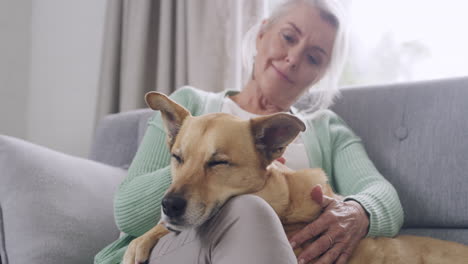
(174, 206)
(179, 212)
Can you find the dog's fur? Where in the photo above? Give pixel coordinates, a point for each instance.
(218, 156)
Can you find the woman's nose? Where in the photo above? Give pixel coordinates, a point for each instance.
(293, 60)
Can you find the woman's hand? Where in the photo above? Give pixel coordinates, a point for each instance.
(338, 231)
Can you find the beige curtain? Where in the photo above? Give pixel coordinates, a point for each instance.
(163, 45)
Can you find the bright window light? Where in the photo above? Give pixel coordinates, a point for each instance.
(407, 40)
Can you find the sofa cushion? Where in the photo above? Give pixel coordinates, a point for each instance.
(55, 208)
(416, 133)
(459, 235)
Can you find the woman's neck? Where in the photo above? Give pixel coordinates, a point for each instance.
(252, 100)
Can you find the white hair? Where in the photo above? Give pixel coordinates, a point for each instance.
(319, 95)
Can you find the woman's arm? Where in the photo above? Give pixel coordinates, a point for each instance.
(137, 203)
(356, 178)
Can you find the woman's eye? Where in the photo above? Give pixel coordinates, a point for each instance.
(177, 158)
(288, 38)
(217, 162)
(313, 60)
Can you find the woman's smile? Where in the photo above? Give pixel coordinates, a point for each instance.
(281, 74)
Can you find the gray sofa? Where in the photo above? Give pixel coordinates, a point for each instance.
(55, 208)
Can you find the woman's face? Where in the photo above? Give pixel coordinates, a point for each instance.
(293, 53)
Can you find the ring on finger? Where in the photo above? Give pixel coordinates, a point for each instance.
(330, 239)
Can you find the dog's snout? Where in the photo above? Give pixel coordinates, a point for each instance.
(174, 206)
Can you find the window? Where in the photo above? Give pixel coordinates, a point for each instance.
(399, 40)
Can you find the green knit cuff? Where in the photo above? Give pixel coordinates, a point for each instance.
(373, 217)
(380, 222)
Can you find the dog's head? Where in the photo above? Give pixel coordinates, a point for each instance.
(215, 157)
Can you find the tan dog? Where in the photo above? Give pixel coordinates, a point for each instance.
(218, 156)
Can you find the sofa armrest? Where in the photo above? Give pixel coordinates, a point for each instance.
(117, 137)
(55, 208)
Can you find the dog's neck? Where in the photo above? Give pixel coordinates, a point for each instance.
(276, 190)
(288, 192)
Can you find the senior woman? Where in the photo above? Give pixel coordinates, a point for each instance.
(296, 53)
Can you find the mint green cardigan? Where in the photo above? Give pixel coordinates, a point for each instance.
(330, 144)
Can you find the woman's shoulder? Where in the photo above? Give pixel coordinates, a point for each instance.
(187, 93)
(328, 124)
(323, 117)
(192, 98)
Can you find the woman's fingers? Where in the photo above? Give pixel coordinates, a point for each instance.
(345, 255)
(326, 201)
(310, 231)
(332, 254)
(343, 258)
(318, 226)
(317, 248)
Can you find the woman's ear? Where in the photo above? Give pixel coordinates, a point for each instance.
(262, 30)
(260, 34)
(258, 38)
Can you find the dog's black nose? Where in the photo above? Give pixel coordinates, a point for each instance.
(174, 206)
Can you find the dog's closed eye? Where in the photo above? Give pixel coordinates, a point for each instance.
(177, 158)
(214, 163)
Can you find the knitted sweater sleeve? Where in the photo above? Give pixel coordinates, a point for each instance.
(137, 203)
(356, 178)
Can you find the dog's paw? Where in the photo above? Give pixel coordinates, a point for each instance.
(139, 250)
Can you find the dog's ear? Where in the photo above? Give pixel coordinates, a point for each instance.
(273, 133)
(172, 113)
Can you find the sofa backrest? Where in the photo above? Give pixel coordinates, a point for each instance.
(417, 136)
(415, 133)
(118, 136)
